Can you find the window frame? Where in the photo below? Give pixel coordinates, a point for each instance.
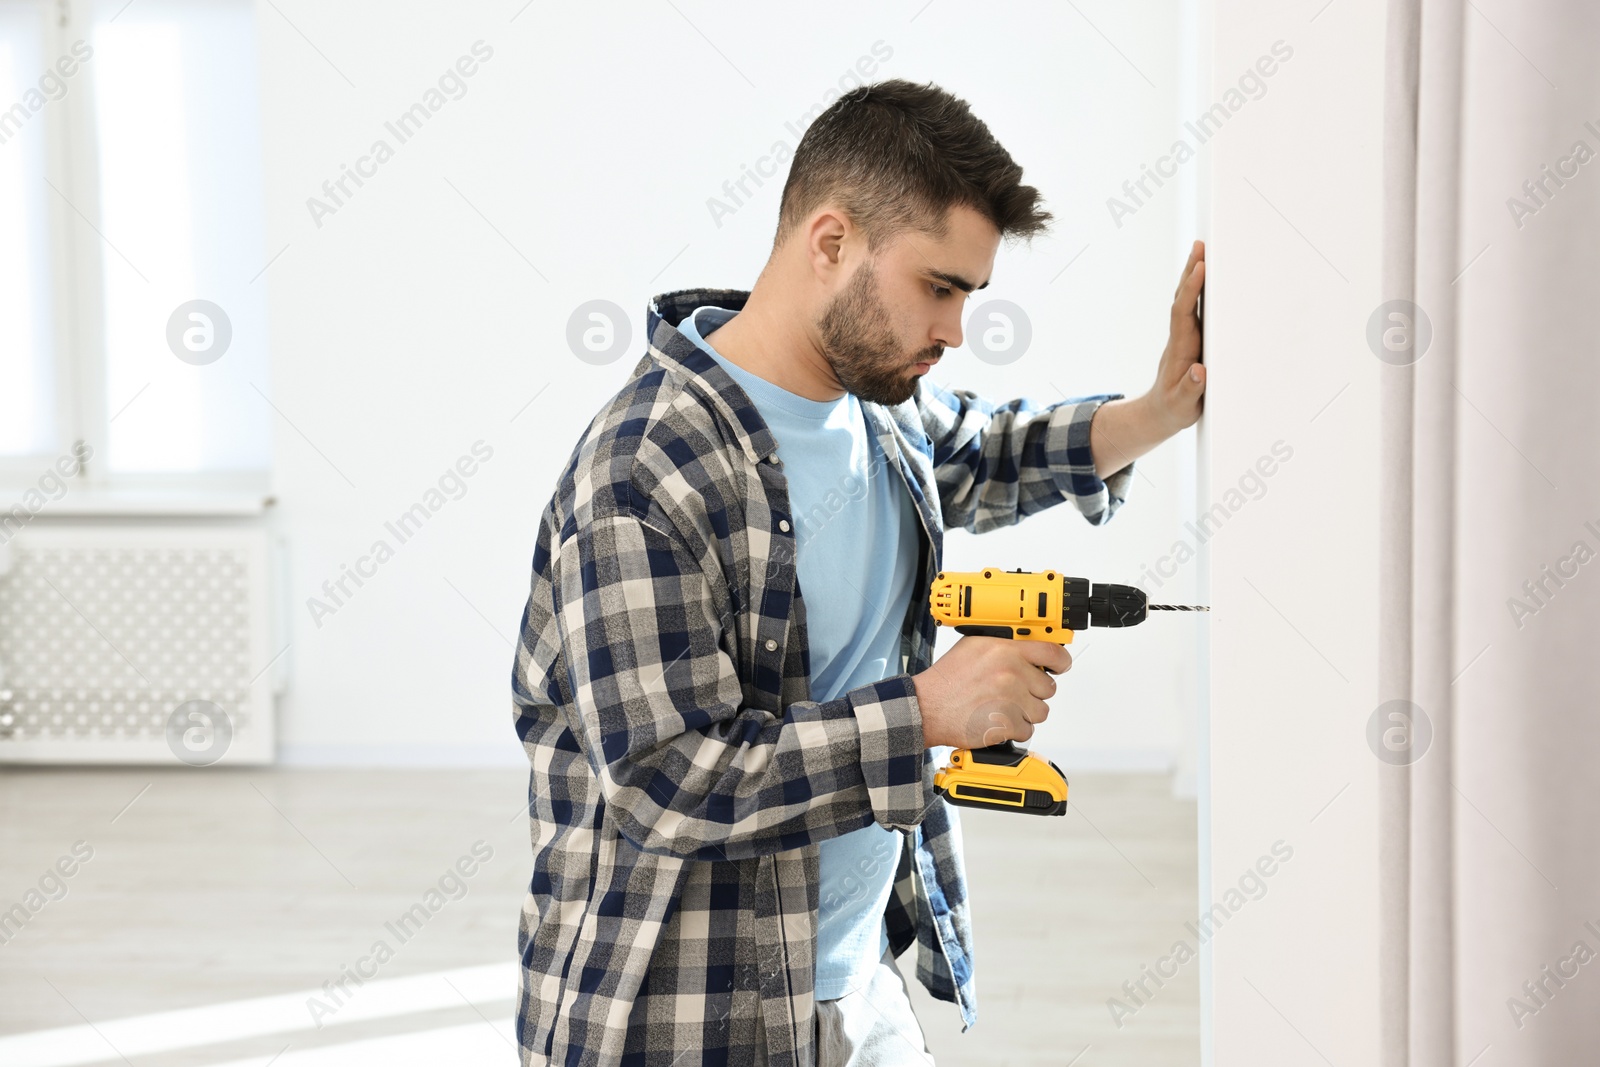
(77, 254)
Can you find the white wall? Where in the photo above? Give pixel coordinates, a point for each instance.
(1294, 256)
(424, 313)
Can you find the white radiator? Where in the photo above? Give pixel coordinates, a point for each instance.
(126, 642)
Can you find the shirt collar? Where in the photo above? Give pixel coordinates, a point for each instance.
(682, 357)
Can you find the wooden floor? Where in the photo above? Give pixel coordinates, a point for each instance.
(209, 887)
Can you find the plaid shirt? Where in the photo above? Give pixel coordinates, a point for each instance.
(682, 777)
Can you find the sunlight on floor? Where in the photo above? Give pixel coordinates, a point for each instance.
(290, 1014)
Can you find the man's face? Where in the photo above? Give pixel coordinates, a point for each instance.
(902, 307)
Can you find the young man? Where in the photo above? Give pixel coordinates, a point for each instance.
(725, 681)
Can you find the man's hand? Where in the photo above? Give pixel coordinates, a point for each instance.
(986, 690)
(1124, 430)
(1179, 392)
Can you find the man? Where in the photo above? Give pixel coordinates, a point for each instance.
(725, 681)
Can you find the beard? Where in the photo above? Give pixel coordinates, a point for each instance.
(859, 343)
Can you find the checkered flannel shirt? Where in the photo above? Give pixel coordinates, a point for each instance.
(682, 776)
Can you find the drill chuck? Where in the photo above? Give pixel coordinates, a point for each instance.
(1086, 604)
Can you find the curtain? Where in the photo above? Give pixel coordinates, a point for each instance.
(1488, 728)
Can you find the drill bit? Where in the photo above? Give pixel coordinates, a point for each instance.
(1178, 607)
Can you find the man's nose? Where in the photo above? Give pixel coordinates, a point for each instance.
(947, 331)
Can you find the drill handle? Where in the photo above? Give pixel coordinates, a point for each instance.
(1005, 754)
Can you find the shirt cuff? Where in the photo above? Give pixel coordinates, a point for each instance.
(1072, 460)
(889, 720)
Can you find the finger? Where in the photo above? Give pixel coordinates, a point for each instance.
(1052, 657)
(1024, 731)
(998, 731)
(1195, 254)
(1187, 299)
(1040, 684)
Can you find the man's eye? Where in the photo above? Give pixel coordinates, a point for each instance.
(939, 290)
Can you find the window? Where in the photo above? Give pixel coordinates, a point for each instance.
(132, 252)
(29, 421)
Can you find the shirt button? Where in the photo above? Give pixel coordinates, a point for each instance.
(772, 646)
(783, 524)
(772, 458)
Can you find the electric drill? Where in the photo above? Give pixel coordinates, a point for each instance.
(1026, 606)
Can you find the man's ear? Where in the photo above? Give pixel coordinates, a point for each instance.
(829, 235)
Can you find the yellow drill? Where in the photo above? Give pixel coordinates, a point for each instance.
(1027, 606)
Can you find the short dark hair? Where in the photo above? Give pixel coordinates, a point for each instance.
(896, 156)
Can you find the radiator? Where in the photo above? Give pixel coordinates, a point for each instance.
(126, 642)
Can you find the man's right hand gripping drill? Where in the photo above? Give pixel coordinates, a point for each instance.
(986, 690)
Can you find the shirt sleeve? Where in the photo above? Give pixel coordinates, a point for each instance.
(996, 463)
(685, 768)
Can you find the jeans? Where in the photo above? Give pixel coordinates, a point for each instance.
(870, 1026)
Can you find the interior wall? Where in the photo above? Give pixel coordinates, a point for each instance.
(597, 154)
(1295, 257)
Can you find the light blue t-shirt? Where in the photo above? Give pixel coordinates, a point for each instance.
(856, 558)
